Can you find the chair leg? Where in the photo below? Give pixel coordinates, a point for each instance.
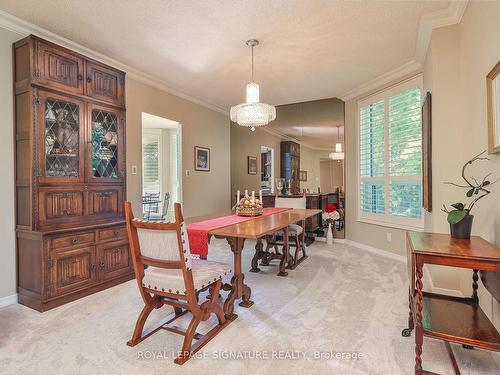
(207, 308)
(215, 307)
(139, 325)
(188, 339)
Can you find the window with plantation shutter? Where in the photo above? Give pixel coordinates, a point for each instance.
(151, 172)
(390, 157)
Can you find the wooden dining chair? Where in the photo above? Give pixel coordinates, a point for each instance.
(173, 278)
(295, 232)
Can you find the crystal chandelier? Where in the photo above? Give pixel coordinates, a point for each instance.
(338, 154)
(253, 113)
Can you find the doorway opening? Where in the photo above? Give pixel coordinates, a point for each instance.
(267, 169)
(161, 166)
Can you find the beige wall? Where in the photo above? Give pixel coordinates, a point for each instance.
(203, 192)
(7, 219)
(309, 162)
(331, 172)
(246, 143)
(458, 60)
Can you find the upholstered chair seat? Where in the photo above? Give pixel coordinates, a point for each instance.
(172, 281)
(297, 203)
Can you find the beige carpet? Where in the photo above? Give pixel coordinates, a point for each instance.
(341, 299)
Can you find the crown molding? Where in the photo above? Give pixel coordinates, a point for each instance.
(24, 28)
(284, 136)
(411, 67)
(428, 22)
(449, 16)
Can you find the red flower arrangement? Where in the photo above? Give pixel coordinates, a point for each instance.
(330, 207)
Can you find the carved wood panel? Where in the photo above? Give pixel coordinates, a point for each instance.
(105, 201)
(114, 260)
(105, 84)
(72, 269)
(59, 69)
(59, 205)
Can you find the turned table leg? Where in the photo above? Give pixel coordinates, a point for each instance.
(419, 334)
(238, 287)
(259, 246)
(475, 279)
(407, 331)
(285, 255)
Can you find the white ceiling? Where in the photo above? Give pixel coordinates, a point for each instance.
(310, 49)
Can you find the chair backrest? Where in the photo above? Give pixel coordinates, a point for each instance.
(291, 202)
(164, 209)
(158, 244)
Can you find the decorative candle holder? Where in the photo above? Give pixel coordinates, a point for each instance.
(249, 206)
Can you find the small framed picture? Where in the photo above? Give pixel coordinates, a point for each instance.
(252, 165)
(302, 175)
(201, 159)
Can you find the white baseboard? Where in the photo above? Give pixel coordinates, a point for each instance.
(371, 249)
(9, 300)
(335, 240)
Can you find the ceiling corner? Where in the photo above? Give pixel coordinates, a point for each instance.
(446, 17)
(411, 67)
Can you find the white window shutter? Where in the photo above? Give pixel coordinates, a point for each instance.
(390, 157)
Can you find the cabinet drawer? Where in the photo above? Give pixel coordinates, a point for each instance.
(73, 240)
(117, 233)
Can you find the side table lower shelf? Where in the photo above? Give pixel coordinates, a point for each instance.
(458, 320)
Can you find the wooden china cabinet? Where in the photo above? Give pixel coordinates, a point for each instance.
(70, 174)
(290, 164)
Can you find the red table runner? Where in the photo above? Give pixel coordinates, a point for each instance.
(198, 232)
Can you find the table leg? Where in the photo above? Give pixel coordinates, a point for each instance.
(258, 255)
(238, 287)
(285, 254)
(407, 331)
(419, 334)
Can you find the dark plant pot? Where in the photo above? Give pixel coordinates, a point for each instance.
(462, 229)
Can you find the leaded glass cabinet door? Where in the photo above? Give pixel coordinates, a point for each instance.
(60, 135)
(107, 144)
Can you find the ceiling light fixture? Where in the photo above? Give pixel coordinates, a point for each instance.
(338, 154)
(252, 113)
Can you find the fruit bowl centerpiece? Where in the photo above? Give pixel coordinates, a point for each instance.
(248, 206)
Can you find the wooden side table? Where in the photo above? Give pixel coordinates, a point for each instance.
(451, 319)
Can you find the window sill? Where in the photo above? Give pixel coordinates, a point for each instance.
(418, 228)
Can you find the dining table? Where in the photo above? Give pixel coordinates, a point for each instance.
(255, 229)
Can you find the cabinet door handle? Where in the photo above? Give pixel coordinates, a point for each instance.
(93, 266)
(80, 77)
(101, 264)
(74, 241)
(89, 80)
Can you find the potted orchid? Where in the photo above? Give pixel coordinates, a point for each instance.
(330, 214)
(459, 217)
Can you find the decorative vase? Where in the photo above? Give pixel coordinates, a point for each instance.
(329, 235)
(462, 229)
